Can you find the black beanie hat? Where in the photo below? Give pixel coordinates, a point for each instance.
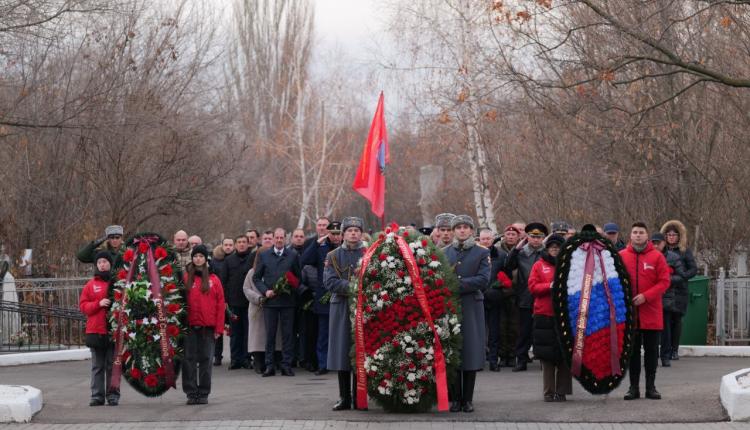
(103, 254)
(200, 249)
(555, 239)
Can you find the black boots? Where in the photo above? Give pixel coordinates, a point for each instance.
(520, 365)
(469, 379)
(651, 392)
(345, 392)
(633, 393)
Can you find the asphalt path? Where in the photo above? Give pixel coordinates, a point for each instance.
(690, 390)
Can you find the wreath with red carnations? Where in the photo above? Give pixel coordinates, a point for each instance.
(136, 320)
(400, 351)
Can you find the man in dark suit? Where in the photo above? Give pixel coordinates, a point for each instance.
(272, 265)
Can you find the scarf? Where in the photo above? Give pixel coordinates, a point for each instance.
(104, 276)
(466, 244)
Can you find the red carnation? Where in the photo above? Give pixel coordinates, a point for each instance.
(406, 233)
(173, 330)
(421, 261)
(430, 273)
(166, 270)
(122, 274)
(439, 282)
(160, 253)
(395, 344)
(400, 273)
(161, 371)
(373, 273)
(118, 295)
(504, 280)
(381, 236)
(433, 257)
(376, 286)
(382, 257)
(173, 308)
(151, 380)
(135, 373)
(368, 309)
(420, 342)
(143, 247)
(125, 356)
(169, 287)
(394, 226)
(386, 297)
(400, 378)
(128, 256)
(387, 375)
(409, 386)
(424, 242)
(292, 280)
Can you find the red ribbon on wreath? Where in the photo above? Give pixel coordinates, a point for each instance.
(155, 281)
(594, 249)
(441, 381)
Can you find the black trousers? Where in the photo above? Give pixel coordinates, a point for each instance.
(238, 339)
(219, 348)
(308, 338)
(101, 373)
(462, 388)
(649, 339)
(526, 325)
(196, 366)
(508, 332)
(670, 336)
(492, 320)
(273, 317)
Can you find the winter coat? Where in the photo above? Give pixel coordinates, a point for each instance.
(93, 292)
(523, 260)
(472, 266)
(498, 259)
(206, 309)
(232, 277)
(340, 268)
(675, 298)
(308, 284)
(256, 333)
(87, 254)
(270, 268)
(315, 256)
(649, 275)
(183, 258)
(540, 286)
(681, 295)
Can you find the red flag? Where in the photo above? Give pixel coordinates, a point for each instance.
(370, 178)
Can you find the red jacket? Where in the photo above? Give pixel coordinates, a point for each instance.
(206, 309)
(93, 292)
(540, 281)
(649, 275)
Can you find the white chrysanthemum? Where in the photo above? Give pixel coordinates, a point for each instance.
(131, 335)
(409, 350)
(157, 337)
(384, 264)
(407, 280)
(411, 377)
(391, 265)
(421, 252)
(381, 389)
(407, 338)
(434, 264)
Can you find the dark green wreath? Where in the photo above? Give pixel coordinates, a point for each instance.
(171, 258)
(560, 303)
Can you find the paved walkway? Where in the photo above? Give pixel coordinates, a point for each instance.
(690, 389)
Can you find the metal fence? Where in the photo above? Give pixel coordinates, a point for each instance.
(41, 314)
(27, 327)
(732, 309)
(56, 292)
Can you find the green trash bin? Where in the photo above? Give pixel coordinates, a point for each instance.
(695, 322)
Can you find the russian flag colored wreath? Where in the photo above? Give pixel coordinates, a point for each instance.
(593, 311)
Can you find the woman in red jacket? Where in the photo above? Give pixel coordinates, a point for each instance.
(556, 376)
(205, 309)
(94, 302)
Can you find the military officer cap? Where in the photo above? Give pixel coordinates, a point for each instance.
(334, 227)
(560, 227)
(352, 222)
(426, 230)
(536, 229)
(462, 219)
(444, 220)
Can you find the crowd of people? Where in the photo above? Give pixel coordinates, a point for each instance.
(504, 283)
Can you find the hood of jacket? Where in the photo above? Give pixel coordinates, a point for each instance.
(683, 244)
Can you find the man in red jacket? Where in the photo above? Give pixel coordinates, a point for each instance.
(649, 279)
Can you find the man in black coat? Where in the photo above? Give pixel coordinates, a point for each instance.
(271, 266)
(232, 275)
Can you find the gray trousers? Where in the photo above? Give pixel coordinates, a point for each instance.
(196, 366)
(556, 378)
(101, 373)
